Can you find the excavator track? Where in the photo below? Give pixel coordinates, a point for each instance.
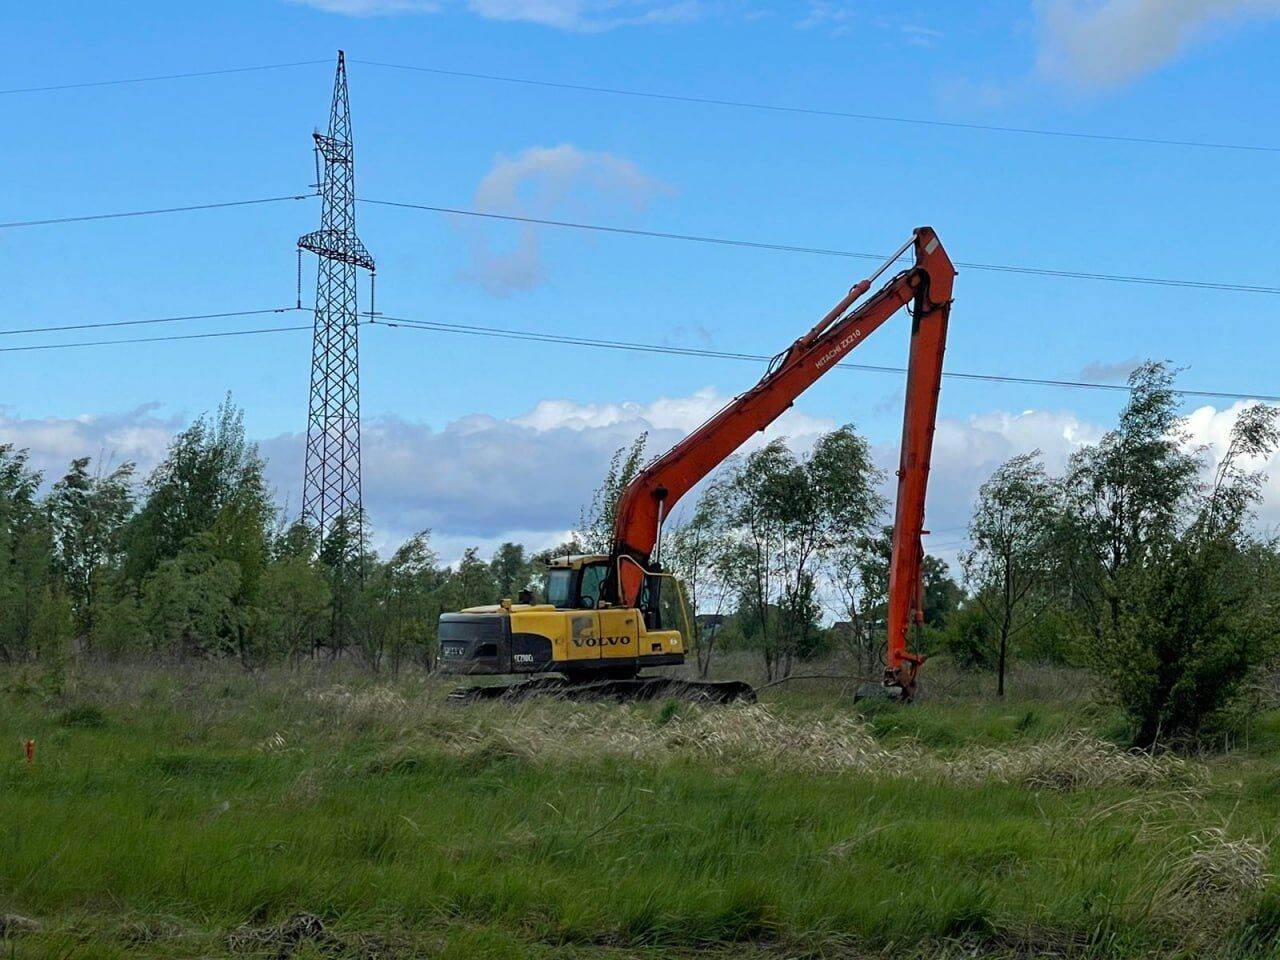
(629, 690)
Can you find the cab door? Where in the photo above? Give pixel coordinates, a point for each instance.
(619, 633)
(584, 636)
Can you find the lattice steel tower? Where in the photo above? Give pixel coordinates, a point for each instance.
(331, 484)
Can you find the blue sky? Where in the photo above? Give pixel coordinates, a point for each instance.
(1119, 67)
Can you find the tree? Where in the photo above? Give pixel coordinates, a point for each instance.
(26, 555)
(411, 593)
(473, 583)
(345, 555)
(596, 521)
(789, 517)
(942, 595)
(210, 469)
(88, 514)
(1009, 564)
(1125, 497)
(116, 623)
(512, 571)
(298, 539)
(189, 605)
(700, 554)
(294, 615)
(1199, 616)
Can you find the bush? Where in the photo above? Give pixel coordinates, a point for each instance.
(1191, 629)
(970, 639)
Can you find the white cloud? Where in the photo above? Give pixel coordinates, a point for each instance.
(481, 480)
(545, 182)
(681, 414)
(966, 452)
(1105, 43)
(583, 16)
(140, 435)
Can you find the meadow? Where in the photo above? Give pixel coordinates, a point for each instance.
(209, 812)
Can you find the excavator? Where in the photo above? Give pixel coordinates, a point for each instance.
(606, 618)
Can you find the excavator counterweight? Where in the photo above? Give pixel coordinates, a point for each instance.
(607, 617)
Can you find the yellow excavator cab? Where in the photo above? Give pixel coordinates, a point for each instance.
(573, 632)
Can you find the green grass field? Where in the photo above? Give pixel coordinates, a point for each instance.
(181, 813)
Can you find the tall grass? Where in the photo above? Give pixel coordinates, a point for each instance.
(203, 810)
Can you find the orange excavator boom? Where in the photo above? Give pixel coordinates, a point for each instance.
(927, 287)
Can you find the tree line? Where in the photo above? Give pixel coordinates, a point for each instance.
(1141, 562)
(196, 561)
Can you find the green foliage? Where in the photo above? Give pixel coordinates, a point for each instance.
(88, 514)
(595, 525)
(512, 571)
(115, 615)
(701, 552)
(210, 482)
(790, 520)
(293, 617)
(473, 583)
(971, 638)
(189, 605)
(26, 555)
(1126, 498)
(1010, 564)
(1190, 633)
(1179, 599)
(410, 593)
(942, 595)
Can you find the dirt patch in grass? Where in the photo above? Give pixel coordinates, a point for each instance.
(303, 932)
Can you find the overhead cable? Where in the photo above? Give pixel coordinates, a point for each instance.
(135, 323)
(153, 212)
(824, 112)
(164, 76)
(185, 336)
(829, 252)
(625, 345)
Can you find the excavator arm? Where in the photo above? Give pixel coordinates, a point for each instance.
(650, 497)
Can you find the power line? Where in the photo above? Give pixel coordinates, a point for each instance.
(683, 237)
(186, 336)
(507, 334)
(533, 336)
(135, 323)
(149, 213)
(165, 76)
(828, 252)
(820, 112)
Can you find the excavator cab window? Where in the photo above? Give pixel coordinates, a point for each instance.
(648, 603)
(580, 589)
(560, 587)
(590, 585)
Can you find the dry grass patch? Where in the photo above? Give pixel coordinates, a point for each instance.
(1212, 876)
(1073, 762)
